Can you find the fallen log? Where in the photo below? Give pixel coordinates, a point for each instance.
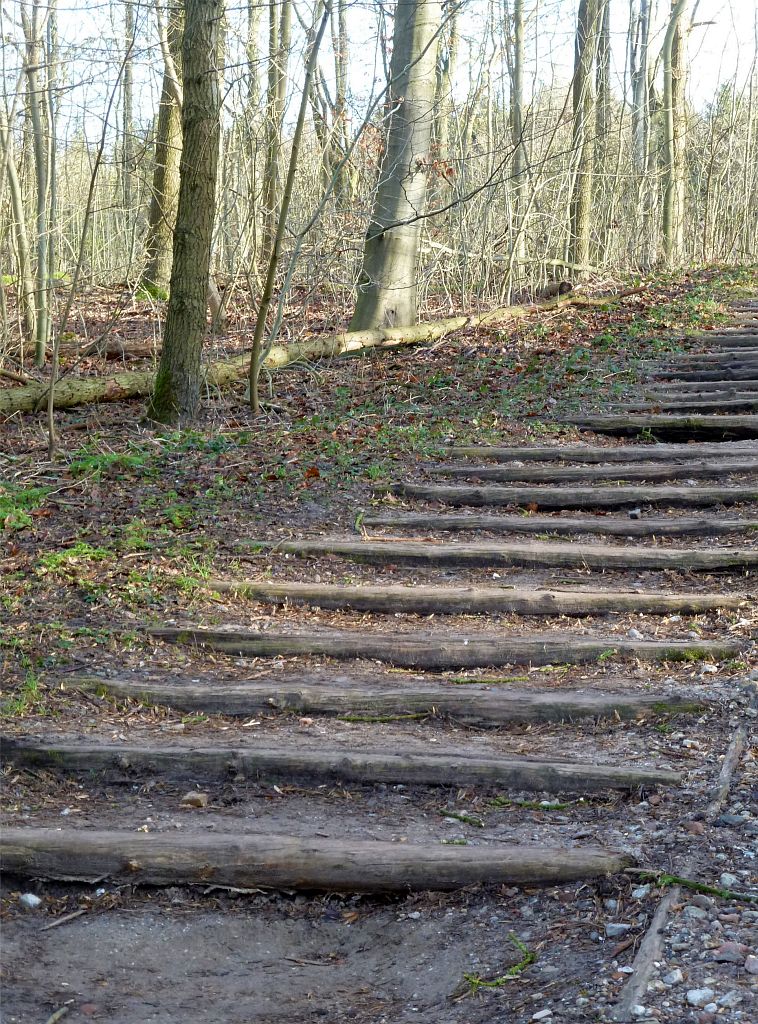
(543, 554)
(591, 454)
(543, 498)
(409, 767)
(420, 600)
(473, 702)
(611, 526)
(438, 652)
(656, 470)
(289, 862)
(737, 403)
(672, 426)
(82, 390)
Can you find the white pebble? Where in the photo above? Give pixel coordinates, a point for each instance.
(29, 901)
(700, 996)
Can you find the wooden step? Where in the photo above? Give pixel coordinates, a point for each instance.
(736, 404)
(401, 767)
(519, 553)
(594, 497)
(440, 651)
(703, 387)
(656, 470)
(649, 526)
(471, 701)
(592, 454)
(244, 861)
(720, 374)
(672, 426)
(419, 600)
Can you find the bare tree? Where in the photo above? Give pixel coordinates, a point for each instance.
(177, 387)
(674, 78)
(387, 287)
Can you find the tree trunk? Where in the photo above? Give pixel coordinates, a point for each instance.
(25, 288)
(168, 151)
(674, 77)
(36, 98)
(280, 31)
(177, 385)
(387, 288)
(516, 119)
(587, 32)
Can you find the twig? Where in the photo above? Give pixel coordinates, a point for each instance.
(65, 919)
(57, 1015)
(18, 377)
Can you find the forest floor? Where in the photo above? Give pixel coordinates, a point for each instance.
(122, 533)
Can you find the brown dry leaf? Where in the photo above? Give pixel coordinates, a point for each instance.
(194, 799)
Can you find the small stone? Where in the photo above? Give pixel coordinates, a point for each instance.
(639, 1010)
(694, 912)
(711, 1008)
(731, 953)
(641, 892)
(674, 977)
(751, 964)
(29, 901)
(635, 513)
(695, 828)
(730, 999)
(542, 1014)
(611, 904)
(727, 880)
(415, 915)
(634, 634)
(700, 996)
(730, 821)
(614, 929)
(194, 799)
(708, 669)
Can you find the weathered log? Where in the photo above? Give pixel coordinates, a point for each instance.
(721, 373)
(409, 767)
(620, 471)
(529, 552)
(723, 404)
(473, 600)
(592, 454)
(289, 862)
(578, 497)
(672, 426)
(704, 387)
(437, 652)
(651, 526)
(475, 703)
(79, 391)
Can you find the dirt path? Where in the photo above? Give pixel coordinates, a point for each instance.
(490, 758)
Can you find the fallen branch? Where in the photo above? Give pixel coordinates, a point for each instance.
(135, 384)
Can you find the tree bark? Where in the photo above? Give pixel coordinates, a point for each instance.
(177, 385)
(674, 72)
(387, 287)
(168, 151)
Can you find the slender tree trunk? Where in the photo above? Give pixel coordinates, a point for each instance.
(168, 152)
(177, 386)
(674, 79)
(127, 148)
(280, 32)
(25, 288)
(387, 288)
(587, 33)
(516, 124)
(33, 36)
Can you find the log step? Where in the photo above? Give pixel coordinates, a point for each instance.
(474, 702)
(421, 600)
(626, 471)
(441, 651)
(401, 767)
(706, 388)
(671, 426)
(604, 525)
(591, 454)
(720, 374)
(719, 403)
(288, 862)
(579, 497)
(542, 554)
